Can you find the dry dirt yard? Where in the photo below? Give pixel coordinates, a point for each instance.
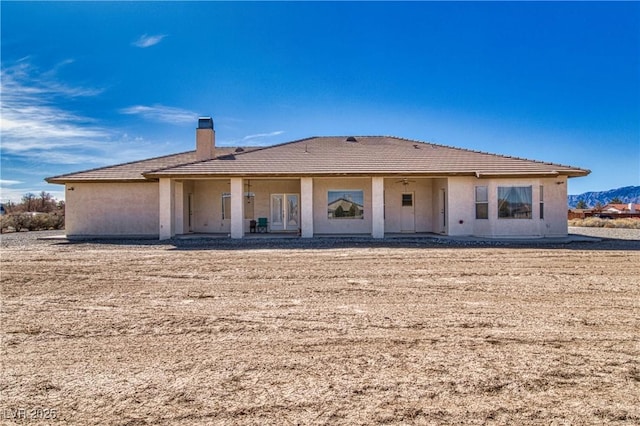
(323, 332)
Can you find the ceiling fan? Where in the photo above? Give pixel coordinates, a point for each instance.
(405, 181)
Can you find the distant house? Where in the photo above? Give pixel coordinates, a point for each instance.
(345, 208)
(363, 185)
(621, 208)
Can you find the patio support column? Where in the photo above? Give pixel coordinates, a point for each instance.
(237, 208)
(377, 207)
(306, 207)
(179, 208)
(167, 208)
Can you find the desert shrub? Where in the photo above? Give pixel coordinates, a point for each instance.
(22, 221)
(595, 222)
(7, 223)
(30, 222)
(39, 222)
(56, 221)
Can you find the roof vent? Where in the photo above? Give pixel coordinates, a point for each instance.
(352, 139)
(239, 149)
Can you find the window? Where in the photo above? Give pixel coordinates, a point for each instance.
(345, 204)
(541, 202)
(249, 202)
(407, 200)
(482, 202)
(514, 202)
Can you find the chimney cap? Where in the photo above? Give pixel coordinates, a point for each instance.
(205, 123)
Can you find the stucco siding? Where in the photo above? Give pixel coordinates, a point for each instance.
(555, 207)
(461, 199)
(112, 209)
(207, 201)
(440, 209)
(422, 203)
(461, 205)
(321, 222)
(207, 206)
(263, 189)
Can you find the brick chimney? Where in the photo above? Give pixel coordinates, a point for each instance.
(205, 139)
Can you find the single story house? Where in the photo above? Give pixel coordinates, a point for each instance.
(618, 208)
(362, 185)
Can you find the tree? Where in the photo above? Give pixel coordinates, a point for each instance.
(581, 204)
(45, 202)
(598, 207)
(9, 206)
(28, 201)
(615, 200)
(339, 212)
(353, 210)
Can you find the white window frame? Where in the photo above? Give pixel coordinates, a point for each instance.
(480, 202)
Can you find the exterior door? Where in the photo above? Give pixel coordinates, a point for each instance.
(292, 212)
(277, 212)
(285, 212)
(408, 221)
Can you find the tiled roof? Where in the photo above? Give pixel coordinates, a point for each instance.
(132, 172)
(621, 207)
(368, 155)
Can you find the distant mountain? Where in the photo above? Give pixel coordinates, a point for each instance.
(628, 194)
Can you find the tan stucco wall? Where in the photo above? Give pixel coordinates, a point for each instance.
(440, 205)
(207, 201)
(187, 211)
(112, 209)
(207, 206)
(263, 190)
(132, 209)
(322, 224)
(461, 200)
(423, 203)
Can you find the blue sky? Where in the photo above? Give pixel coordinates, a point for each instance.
(97, 83)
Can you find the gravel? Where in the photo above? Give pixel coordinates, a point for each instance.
(607, 239)
(611, 233)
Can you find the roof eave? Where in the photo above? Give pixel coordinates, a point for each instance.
(62, 181)
(550, 173)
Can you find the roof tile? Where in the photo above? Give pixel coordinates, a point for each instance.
(367, 155)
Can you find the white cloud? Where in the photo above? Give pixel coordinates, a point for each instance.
(146, 40)
(7, 182)
(162, 113)
(263, 135)
(32, 118)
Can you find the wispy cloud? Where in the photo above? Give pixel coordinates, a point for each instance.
(262, 135)
(32, 118)
(146, 40)
(7, 182)
(164, 114)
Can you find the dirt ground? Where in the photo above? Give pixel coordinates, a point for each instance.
(403, 332)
